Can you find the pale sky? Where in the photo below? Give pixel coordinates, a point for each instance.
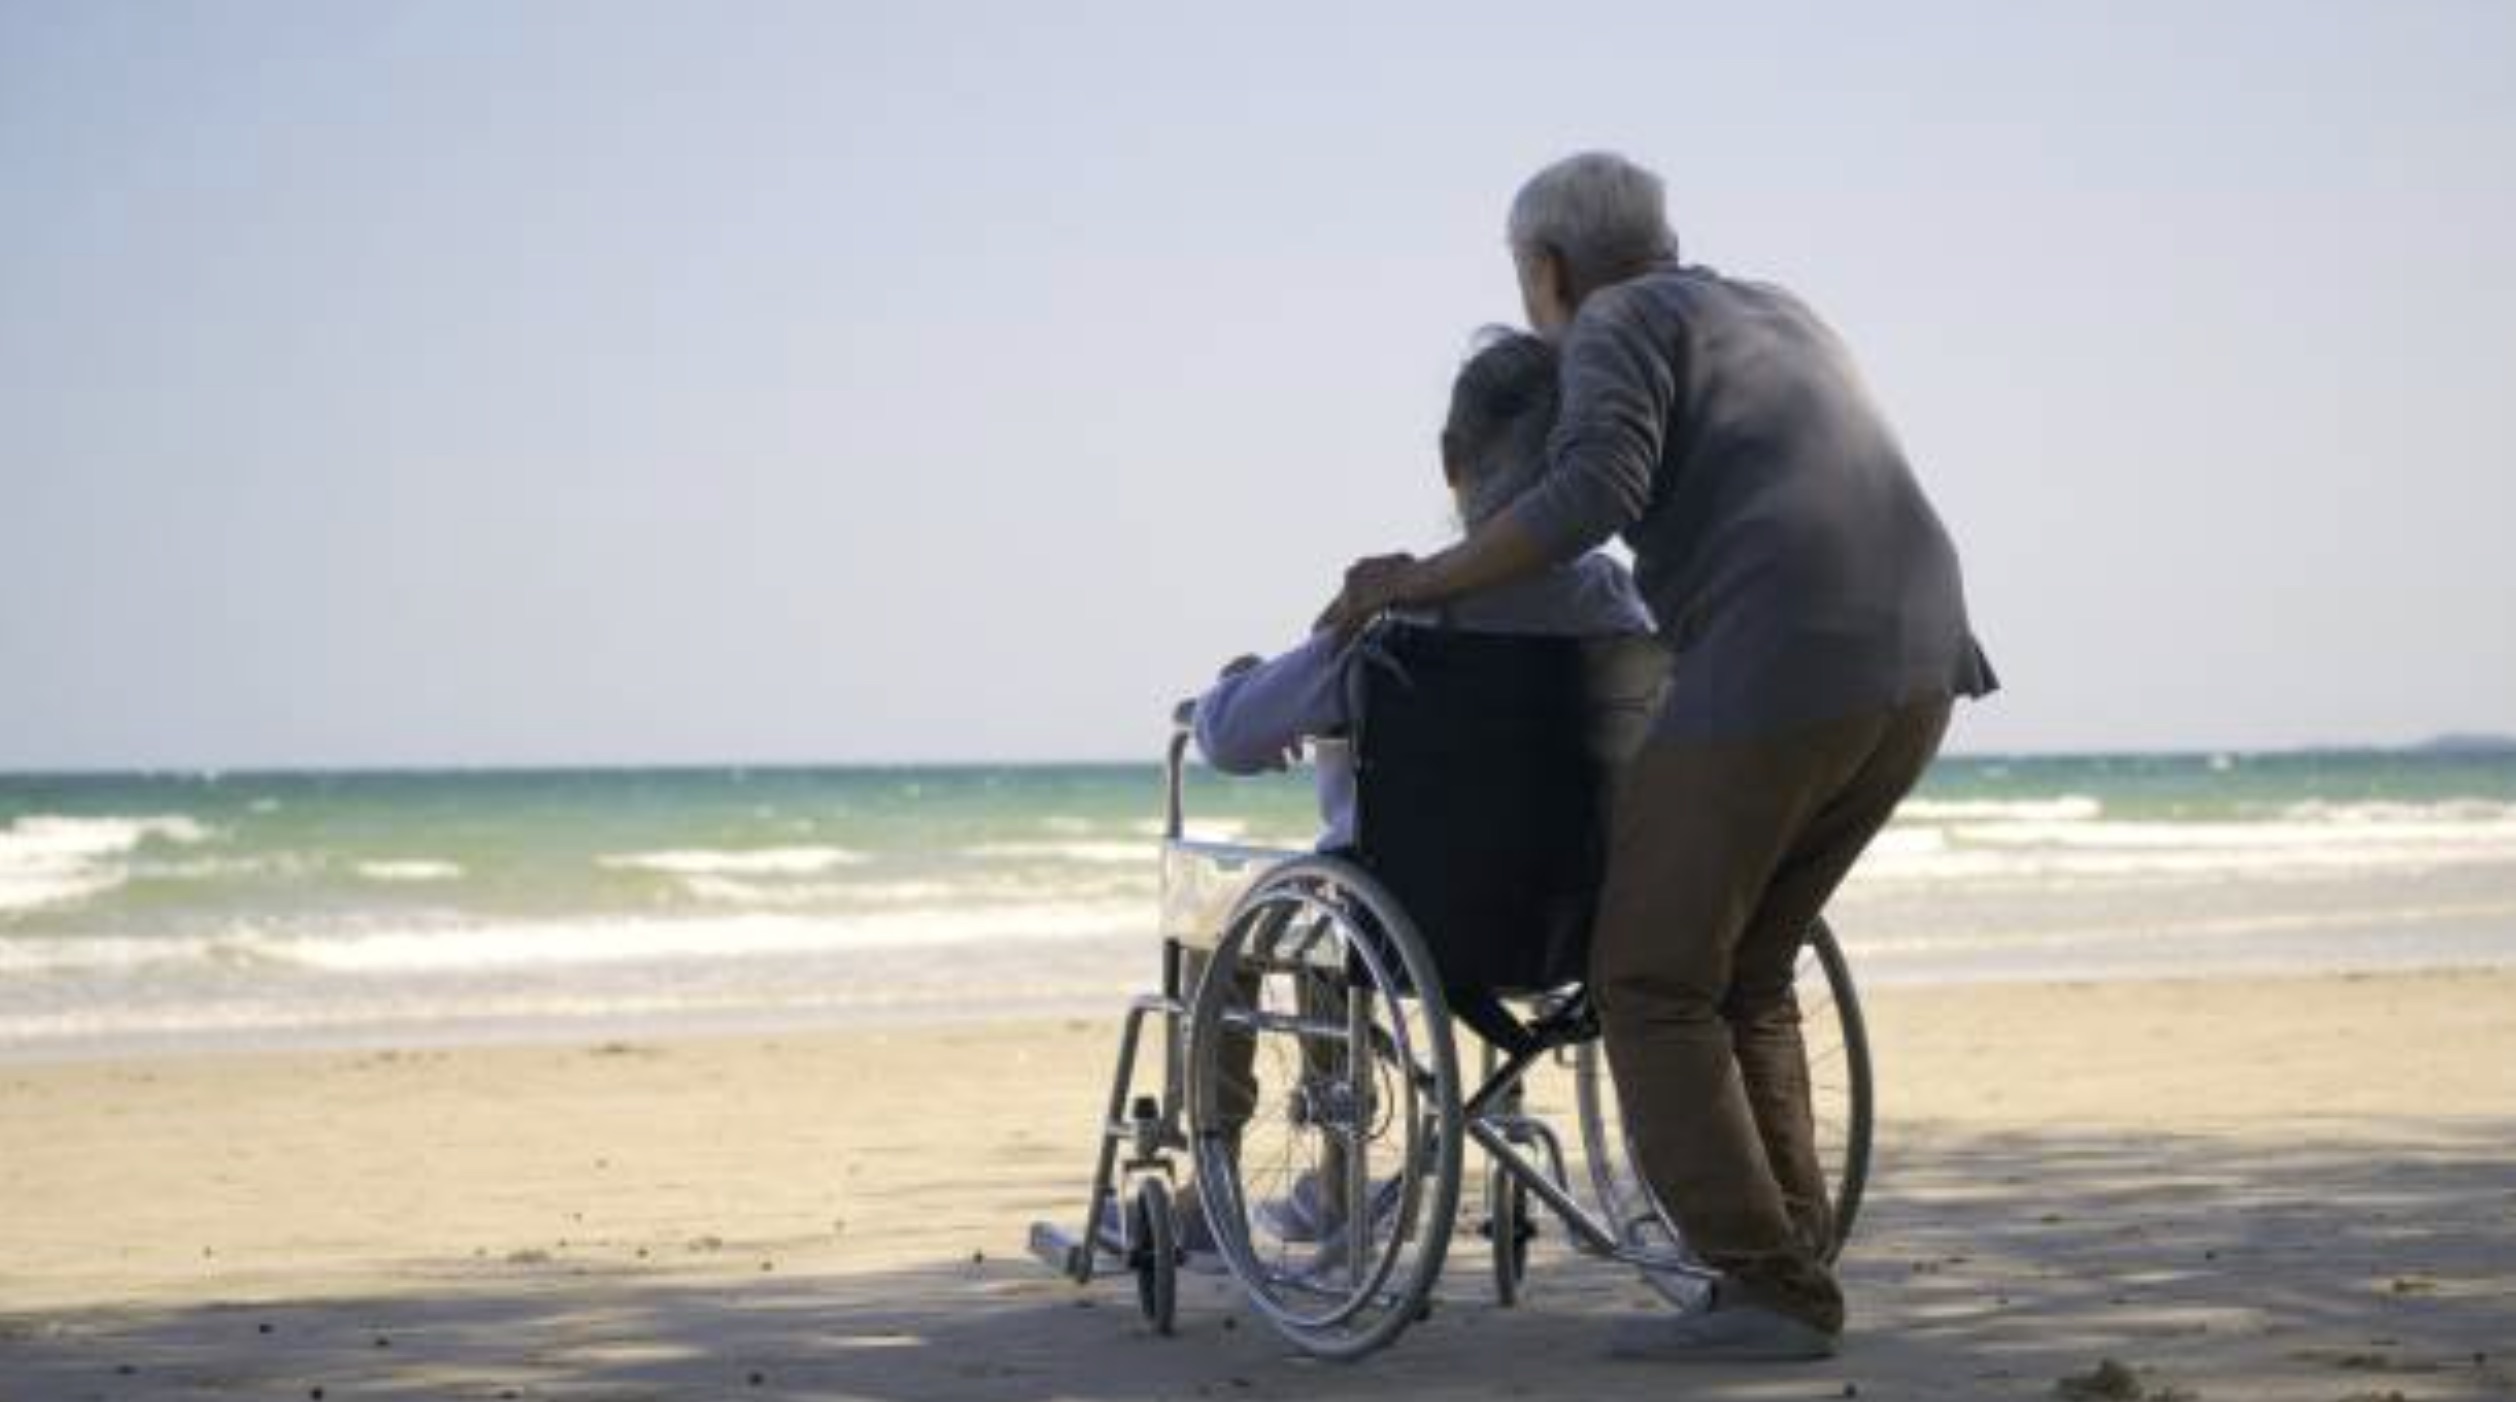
(485, 384)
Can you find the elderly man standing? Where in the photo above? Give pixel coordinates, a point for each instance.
(1813, 603)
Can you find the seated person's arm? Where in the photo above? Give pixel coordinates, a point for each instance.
(1252, 718)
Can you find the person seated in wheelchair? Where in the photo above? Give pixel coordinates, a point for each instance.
(1260, 713)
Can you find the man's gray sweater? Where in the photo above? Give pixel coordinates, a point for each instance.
(1792, 561)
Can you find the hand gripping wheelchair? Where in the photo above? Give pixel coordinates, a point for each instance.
(1309, 1070)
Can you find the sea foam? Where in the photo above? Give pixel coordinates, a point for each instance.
(2039, 842)
(411, 869)
(756, 861)
(2077, 808)
(47, 859)
(1085, 852)
(564, 943)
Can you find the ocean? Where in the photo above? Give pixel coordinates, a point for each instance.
(252, 909)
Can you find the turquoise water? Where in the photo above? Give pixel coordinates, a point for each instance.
(276, 906)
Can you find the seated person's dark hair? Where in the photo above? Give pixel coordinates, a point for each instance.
(1502, 407)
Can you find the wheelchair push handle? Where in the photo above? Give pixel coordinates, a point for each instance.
(1183, 725)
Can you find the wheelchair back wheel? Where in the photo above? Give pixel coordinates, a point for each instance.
(1836, 1043)
(1324, 1107)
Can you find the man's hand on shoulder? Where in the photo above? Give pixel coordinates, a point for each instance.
(1372, 584)
(1496, 552)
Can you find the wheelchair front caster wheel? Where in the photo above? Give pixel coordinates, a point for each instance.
(1507, 1224)
(1155, 1254)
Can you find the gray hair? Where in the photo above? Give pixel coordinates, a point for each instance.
(1603, 213)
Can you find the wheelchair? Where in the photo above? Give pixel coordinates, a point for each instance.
(1307, 1007)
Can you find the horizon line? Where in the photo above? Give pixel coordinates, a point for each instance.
(2453, 744)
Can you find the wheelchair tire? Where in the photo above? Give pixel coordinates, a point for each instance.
(1509, 1229)
(1156, 1253)
(1851, 1176)
(1841, 1089)
(1320, 1052)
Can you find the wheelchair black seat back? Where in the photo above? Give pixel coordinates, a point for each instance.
(1480, 803)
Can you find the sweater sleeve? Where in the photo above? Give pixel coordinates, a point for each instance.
(1619, 388)
(1245, 723)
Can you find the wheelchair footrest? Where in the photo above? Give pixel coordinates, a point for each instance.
(1058, 1249)
(1063, 1252)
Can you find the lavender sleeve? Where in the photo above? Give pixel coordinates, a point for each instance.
(1245, 723)
(1619, 387)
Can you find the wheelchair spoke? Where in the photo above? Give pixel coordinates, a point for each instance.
(1327, 1219)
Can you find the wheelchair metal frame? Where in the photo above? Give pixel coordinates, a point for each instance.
(1148, 1129)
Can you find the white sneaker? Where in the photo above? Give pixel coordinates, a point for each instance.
(1297, 1217)
(1386, 1196)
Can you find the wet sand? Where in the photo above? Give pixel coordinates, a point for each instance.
(2233, 1188)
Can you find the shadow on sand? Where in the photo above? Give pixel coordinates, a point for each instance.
(2346, 1264)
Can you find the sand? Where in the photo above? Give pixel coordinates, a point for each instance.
(2232, 1189)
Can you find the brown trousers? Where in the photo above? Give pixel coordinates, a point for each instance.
(1723, 853)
